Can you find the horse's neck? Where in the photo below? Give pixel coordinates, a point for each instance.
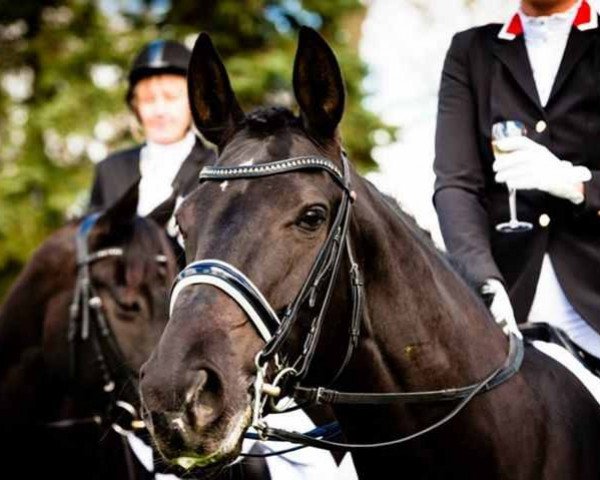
(33, 339)
(424, 327)
(49, 272)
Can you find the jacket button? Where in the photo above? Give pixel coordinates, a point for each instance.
(540, 126)
(544, 220)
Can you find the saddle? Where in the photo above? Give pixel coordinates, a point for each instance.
(547, 333)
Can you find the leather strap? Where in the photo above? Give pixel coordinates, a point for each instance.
(334, 397)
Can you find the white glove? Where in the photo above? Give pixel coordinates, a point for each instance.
(501, 307)
(524, 164)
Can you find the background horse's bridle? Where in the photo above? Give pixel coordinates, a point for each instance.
(275, 331)
(88, 325)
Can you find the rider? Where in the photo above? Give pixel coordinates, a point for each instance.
(168, 163)
(540, 68)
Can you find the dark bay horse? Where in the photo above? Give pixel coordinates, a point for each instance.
(59, 387)
(274, 217)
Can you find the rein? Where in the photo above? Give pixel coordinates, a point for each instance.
(275, 330)
(465, 394)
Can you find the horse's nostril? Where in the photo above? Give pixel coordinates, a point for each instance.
(207, 381)
(204, 401)
(130, 306)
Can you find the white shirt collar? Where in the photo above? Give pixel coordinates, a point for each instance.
(586, 18)
(159, 165)
(566, 16)
(181, 148)
(546, 39)
(555, 24)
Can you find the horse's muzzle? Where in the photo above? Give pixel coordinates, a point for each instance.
(179, 416)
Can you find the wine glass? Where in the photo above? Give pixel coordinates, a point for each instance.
(510, 128)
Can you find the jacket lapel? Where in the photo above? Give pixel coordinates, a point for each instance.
(133, 166)
(510, 49)
(577, 45)
(513, 55)
(130, 172)
(187, 175)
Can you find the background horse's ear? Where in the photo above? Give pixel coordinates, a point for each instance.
(125, 208)
(215, 109)
(318, 84)
(163, 212)
(120, 213)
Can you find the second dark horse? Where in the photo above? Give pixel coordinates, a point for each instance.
(64, 380)
(61, 391)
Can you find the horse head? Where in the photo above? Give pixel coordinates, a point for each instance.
(84, 314)
(196, 385)
(129, 264)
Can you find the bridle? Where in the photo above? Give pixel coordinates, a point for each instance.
(88, 326)
(275, 331)
(233, 282)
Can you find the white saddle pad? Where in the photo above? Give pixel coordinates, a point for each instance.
(144, 454)
(561, 355)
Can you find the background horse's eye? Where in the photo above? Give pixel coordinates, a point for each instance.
(312, 218)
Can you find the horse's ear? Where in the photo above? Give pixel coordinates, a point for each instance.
(215, 109)
(121, 212)
(118, 215)
(318, 84)
(163, 212)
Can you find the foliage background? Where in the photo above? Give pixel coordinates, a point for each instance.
(63, 65)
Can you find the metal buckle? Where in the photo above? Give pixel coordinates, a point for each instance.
(320, 394)
(132, 422)
(258, 403)
(273, 401)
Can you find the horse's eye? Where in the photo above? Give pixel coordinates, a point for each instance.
(312, 218)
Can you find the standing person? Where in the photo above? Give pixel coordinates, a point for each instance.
(541, 68)
(172, 156)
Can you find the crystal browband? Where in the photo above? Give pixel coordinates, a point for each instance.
(272, 168)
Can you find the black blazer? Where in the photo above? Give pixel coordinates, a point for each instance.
(487, 78)
(119, 171)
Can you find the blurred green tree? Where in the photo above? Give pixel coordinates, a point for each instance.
(62, 83)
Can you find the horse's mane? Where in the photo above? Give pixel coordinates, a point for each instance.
(425, 238)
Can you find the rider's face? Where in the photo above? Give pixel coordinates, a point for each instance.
(161, 103)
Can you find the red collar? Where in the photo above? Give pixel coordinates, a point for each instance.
(585, 19)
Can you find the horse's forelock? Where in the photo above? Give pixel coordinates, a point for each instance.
(267, 120)
(141, 239)
(145, 243)
(282, 125)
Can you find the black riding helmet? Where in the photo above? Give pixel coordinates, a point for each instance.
(157, 57)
